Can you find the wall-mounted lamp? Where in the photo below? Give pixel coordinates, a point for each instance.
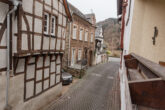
(155, 35)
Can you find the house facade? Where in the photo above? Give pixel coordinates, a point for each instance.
(32, 44)
(80, 39)
(101, 56)
(142, 34)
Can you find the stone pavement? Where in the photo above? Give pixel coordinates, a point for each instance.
(98, 90)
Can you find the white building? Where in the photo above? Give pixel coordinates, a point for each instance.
(32, 43)
(101, 56)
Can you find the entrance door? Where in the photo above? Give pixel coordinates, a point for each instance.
(90, 58)
(73, 57)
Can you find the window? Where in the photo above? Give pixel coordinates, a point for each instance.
(53, 27)
(74, 32)
(81, 34)
(91, 37)
(79, 54)
(86, 36)
(46, 23)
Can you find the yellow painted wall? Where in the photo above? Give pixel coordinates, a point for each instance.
(147, 15)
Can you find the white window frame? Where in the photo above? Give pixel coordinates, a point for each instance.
(86, 35)
(74, 32)
(81, 34)
(73, 57)
(79, 54)
(47, 21)
(92, 37)
(53, 25)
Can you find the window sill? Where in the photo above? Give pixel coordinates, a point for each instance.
(46, 35)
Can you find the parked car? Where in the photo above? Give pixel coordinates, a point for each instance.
(67, 78)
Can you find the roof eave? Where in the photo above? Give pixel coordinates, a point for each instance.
(67, 10)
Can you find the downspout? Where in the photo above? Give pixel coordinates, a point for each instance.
(15, 3)
(70, 35)
(124, 5)
(70, 25)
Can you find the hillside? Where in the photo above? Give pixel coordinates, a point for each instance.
(111, 32)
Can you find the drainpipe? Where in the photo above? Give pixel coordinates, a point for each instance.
(15, 3)
(69, 43)
(124, 5)
(70, 35)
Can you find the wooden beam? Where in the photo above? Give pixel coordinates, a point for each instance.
(150, 94)
(154, 67)
(131, 63)
(162, 63)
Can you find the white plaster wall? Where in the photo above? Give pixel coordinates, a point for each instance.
(40, 62)
(58, 61)
(38, 88)
(3, 58)
(58, 45)
(46, 43)
(98, 59)
(55, 4)
(63, 45)
(27, 5)
(15, 30)
(37, 42)
(30, 72)
(3, 11)
(64, 21)
(48, 2)
(60, 7)
(24, 42)
(20, 66)
(47, 61)
(58, 69)
(16, 92)
(52, 43)
(29, 89)
(47, 8)
(52, 79)
(60, 19)
(59, 31)
(39, 8)
(55, 12)
(63, 33)
(127, 32)
(58, 77)
(53, 66)
(39, 75)
(3, 42)
(46, 84)
(147, 15)
(38, 25)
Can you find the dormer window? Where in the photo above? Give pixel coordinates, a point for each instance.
(46, 23)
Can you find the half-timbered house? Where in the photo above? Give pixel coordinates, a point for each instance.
(32, 43)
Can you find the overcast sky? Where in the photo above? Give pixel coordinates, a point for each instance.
(102, 8)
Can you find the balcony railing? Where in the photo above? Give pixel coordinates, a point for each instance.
(146, 81)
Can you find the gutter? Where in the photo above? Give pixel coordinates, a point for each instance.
(124, 5)
(70, 31)
(15, 3)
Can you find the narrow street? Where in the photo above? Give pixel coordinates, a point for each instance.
(98, 90)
